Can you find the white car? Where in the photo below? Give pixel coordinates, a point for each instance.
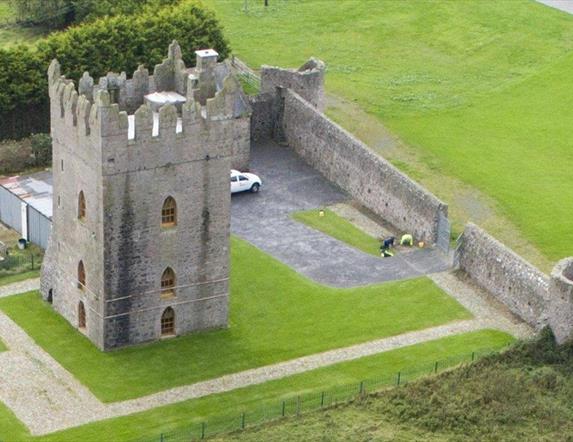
(243, 181)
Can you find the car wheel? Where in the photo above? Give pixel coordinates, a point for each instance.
(255, 188)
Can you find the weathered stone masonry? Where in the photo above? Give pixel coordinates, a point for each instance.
(127, 166)
(538, 299)
(367, 177)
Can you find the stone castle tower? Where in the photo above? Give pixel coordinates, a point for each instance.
(140, 242)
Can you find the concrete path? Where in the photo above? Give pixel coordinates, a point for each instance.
(47, 398)
(19, 287)
(289, 185)
(563, 5)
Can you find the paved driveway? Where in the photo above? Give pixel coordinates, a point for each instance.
(289, 185)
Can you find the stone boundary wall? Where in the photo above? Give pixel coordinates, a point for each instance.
(264, 116)
(350, 164)
(519, 285)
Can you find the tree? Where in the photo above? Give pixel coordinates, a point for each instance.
(53, 14)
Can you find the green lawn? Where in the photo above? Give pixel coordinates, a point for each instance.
(10, 279)
(180, 416)
(276, 314)
(2, 346)
(339, 228)
(482, 89)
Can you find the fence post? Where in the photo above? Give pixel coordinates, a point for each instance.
(161, 438)
(32, 256)
(202, 430)
(398, 379)
(436, 367)
(473, 355)
(283, 409)
(361, 390)
(322, 399)
(297, 405)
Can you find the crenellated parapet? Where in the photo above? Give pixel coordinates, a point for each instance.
(131, 118)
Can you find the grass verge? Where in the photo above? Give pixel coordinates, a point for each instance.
(10, 279)
(186, 415)
(276, 314)
(339, 228)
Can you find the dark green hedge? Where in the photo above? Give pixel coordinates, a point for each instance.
(117, 44)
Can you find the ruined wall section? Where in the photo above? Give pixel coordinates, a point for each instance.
(349, 163)
(560, 310)
(519, 285)
(264, 117)
(307, 81)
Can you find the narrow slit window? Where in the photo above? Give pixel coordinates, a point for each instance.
(81, 315)
(81, 275)
(81, 206)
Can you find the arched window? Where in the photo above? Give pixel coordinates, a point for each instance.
(81, 275)
(168, 322)
(168, 283)
(81, 206)
(169, 212)
(81, 315)
(50, 298)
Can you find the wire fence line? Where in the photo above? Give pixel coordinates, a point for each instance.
(250, 80)
(296, 405)
(12, 264)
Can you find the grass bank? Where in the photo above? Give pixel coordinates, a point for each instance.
(479, 89)
(276, 314)
(189, 414)
(521, 395)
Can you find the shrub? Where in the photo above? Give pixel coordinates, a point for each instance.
(117, 43)
(41, 148)
(16, 156)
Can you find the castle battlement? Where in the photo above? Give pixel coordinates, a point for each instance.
(175, 103)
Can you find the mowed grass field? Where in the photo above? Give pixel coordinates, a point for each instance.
(482, 89)
(415, 360)
(276, 315)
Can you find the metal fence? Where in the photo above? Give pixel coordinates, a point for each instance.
(10, 209)
(25, 219)
(249, 79)
(19, 263)
(39, 227)
(444, 233)
(296, 405)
